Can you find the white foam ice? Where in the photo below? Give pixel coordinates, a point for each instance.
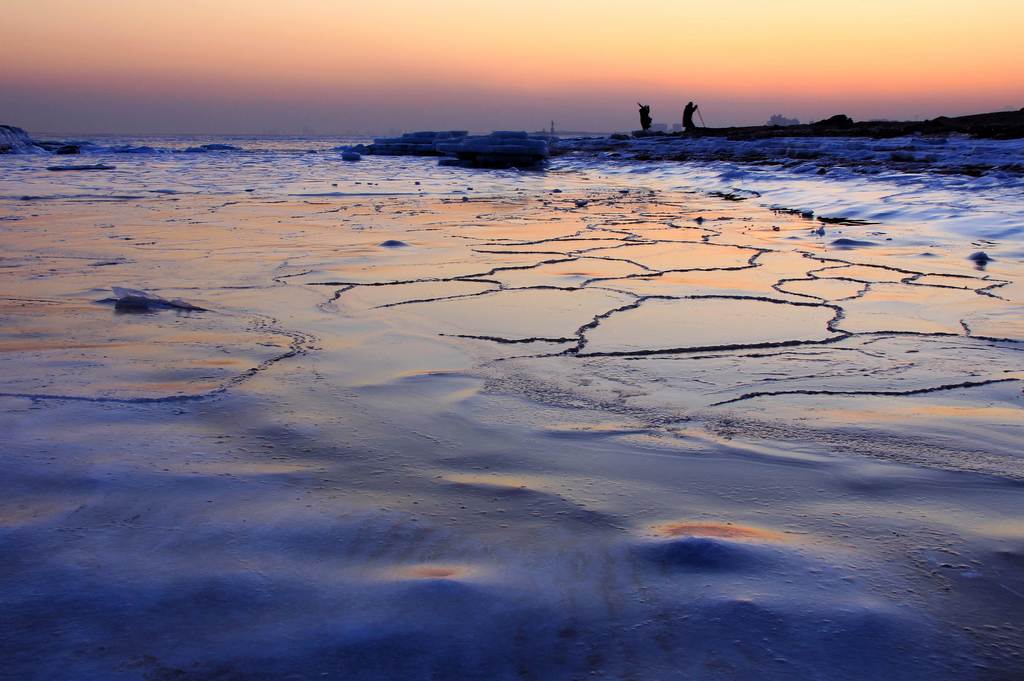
(16, 141)
(852, 179)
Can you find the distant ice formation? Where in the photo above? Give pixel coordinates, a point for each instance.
(16, 141)
(202, 148)
(131, 149)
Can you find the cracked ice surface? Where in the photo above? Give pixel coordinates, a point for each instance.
(630, 429)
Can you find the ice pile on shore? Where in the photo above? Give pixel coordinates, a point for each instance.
(956, 153)
(421, 143)
(502, 149)
(16, 141)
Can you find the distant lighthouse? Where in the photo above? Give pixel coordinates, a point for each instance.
(552, 127)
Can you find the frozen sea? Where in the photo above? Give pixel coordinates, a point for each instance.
(614, 419)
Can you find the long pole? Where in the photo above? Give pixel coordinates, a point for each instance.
(701, 117)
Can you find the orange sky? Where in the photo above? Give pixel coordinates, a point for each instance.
(251, 65)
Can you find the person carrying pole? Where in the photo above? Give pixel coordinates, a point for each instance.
(688, 111)
(645, 116)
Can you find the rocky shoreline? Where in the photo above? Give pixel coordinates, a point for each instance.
(974, 145)
(1000, 125)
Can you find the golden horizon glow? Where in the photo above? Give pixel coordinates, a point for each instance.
(799, 50)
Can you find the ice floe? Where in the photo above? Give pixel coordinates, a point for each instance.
(134, 300)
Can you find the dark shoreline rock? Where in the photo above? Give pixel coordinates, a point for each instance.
(88, 166)
(996, 125)
(980, 258)
(945, 146)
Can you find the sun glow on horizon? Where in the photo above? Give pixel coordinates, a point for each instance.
(463, 61)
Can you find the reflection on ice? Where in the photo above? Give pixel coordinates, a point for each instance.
(722, 530)
(431, 571)
(520, 315)
(625, 429)
(660, 325)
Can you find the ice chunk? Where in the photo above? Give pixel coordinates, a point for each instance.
(16, 141)
(502, 149)
(421, 143)
(134, 300)
(130, 149)
(851, 243)
(212, 147)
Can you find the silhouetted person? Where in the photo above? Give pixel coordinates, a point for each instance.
(688, 112)
(645, 116)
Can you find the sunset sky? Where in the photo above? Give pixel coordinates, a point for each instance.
(240, 66)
